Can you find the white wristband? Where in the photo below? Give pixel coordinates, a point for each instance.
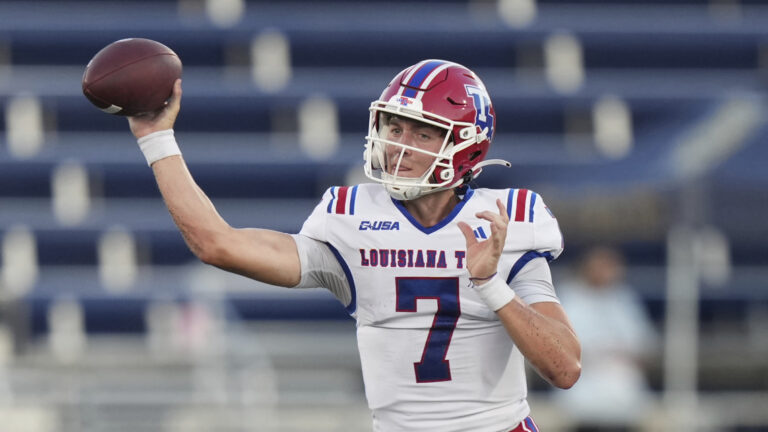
(158, 145)
(495, 293)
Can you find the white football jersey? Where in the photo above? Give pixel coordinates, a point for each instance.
(434, 356)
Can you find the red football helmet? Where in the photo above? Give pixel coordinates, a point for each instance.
(442, 95)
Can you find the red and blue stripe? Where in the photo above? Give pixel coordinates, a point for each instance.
(527, 425)
(342, 200)
(520, 204)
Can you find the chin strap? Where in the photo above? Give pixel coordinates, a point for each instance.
(404, 193)
(401, 193)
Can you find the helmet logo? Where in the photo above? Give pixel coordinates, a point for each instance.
(482, 101)
(405, 101)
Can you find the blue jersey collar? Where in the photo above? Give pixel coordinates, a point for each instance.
(452, 215)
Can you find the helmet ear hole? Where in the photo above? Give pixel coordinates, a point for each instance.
(475, 154)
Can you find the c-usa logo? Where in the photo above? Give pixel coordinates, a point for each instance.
(482, 102)
(379, 225)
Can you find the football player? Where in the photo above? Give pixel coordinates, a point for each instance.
(450, 286)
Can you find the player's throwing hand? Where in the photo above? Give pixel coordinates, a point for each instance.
(162, 119)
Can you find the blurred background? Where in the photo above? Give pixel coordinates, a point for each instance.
(642, 123)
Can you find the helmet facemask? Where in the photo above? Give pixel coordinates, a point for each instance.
(384, 155)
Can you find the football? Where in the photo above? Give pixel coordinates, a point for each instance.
(131, 76)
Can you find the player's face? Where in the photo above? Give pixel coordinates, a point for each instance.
(409, 161)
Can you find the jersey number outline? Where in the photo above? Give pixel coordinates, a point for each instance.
(433, 366)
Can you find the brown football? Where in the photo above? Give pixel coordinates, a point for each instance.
(131, 76)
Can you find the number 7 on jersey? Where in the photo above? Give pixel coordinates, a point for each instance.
(433, 366)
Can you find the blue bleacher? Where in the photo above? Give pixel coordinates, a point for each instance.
(672, 62)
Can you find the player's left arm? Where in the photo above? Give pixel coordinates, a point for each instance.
(541, 331)
(546, 338)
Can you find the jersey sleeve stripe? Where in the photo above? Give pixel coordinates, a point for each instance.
(510, 202)
(525, 259)
(352, 306)
(522, 195)
(341, 203)
(333, 198)
(352, 200)
(533, 202)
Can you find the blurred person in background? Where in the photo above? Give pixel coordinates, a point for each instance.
(450, 297)
(617, 337)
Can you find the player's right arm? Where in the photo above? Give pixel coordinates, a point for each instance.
(264, 255)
